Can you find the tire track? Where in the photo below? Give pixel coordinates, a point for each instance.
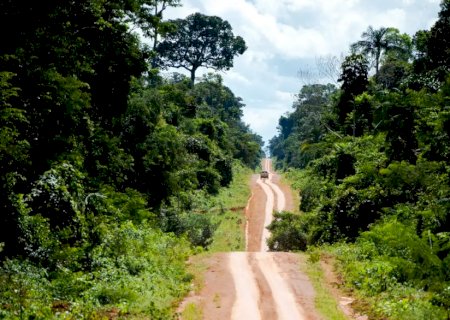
(245, 267)
(267, 215)
(282, 295)
(259, 285)
(247, 293)
(281, 200)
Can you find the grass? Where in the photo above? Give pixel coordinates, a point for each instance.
(287, 180)
(197, 267)
(325, 303)
(229, 213)
(192, 312)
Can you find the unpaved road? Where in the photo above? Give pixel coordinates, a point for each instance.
(258, 284)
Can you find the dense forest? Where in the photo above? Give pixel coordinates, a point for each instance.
(371, 159)
(102, 154)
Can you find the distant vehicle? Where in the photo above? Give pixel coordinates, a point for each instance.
(264, 174)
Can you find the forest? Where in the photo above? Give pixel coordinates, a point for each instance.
(371, 160)
(108, 160)
(104, 155)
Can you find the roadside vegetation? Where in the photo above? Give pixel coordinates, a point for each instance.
(226, 210)
(325, 302)
(113, 173)
(228, 213)
(371, 161)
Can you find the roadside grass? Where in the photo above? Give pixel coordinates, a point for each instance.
(197, 267)
(229, 213)
(192, 312)
(325, 303)
(289, 181)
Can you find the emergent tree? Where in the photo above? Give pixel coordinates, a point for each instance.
(200, 41)
(375, 42)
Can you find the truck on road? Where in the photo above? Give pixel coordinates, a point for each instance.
(264, 174)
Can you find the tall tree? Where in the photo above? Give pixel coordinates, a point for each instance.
(376, 42)
(149, 17)
(438, 43)
(354, 80)
(200, 41)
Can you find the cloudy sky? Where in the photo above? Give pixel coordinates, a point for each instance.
(285, 36)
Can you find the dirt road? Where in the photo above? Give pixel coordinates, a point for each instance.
(258, 284)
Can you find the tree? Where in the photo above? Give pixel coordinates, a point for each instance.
(150, 15)
(377, 42)
(310, 109)
(303, 127)
(200, 41)
(354, 82)
(438, 43)
(215, 99)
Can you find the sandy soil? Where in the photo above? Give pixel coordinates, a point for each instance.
(258, 284)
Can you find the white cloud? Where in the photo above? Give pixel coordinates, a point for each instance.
(285, 33)
(391, 18)
(284, 96)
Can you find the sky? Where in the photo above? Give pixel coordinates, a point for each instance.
(285, 38)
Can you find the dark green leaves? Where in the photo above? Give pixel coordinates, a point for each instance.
(200, 41)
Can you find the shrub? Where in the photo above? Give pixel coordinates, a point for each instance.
(287, 233)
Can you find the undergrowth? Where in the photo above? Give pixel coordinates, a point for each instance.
(132, 269)
(226, 211)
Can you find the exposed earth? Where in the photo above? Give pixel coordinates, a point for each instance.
(258, 284)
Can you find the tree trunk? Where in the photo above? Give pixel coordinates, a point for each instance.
(193, 76)
(377, 62)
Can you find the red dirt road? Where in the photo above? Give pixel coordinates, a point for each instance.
(258, 284)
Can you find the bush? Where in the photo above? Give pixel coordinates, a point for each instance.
(198, 228)
(398, 268)
(24, 291)
(287, 233)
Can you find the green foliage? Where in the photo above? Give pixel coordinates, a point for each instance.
(124, 261)
(199, 229)
(102, 161)
(286, 233)
(375, 184)
(301, 130)
(392, 264)
(200, 40)
(25, 291)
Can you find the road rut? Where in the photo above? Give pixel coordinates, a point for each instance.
(264, 285)
(281, 295)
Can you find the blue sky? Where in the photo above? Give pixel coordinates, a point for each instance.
(285, 36)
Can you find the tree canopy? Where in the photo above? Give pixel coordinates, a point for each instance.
(378, 41)
(200, 41)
